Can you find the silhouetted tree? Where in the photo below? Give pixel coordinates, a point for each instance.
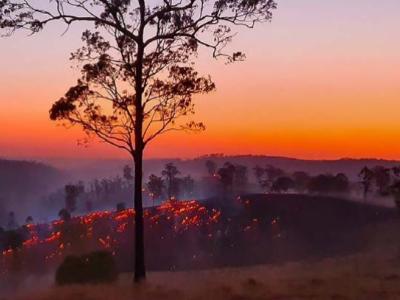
(12, 223)
(320, 184)
(187, 184)
(211, 167)
(396, 172)
(241, 179)
(121, 206)
(137, 63)
(29, 220)
(128, 173)
(341, 183)
(259, 173)
(382, 179)
(367, 176)
(155, 185)
(329, 184)
(3, 213)
(267, 176)
(169, 173)
(226, 176)
(64, 215)
(2, 239)
(13, 239)
(395, 191)
(273, 172)
(283, 184)
(72, 193)
(301, 181)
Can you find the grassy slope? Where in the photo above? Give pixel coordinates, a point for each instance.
(350, 278)
(372, 274)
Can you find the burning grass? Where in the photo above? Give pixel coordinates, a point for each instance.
(46, 244)
(189, 235)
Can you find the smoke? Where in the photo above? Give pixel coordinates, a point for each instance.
(18, 285)
(252, 230)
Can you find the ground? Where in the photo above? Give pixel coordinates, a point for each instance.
(361, 265)
(371, 275)
(361, 277)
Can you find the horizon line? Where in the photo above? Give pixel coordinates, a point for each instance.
(204, 156)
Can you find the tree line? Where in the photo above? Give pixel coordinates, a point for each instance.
(381, 181)
(225, 181)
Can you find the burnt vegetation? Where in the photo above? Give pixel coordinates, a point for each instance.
(94, 268)
(252, 216)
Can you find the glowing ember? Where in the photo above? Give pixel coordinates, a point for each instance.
(59, 237)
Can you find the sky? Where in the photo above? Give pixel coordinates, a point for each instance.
(321, 81)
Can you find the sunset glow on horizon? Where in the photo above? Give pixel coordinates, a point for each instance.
(321, 81)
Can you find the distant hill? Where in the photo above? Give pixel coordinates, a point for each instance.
(351, 167)
(23, 182)
(88, 169)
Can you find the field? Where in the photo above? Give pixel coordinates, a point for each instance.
(371, 275)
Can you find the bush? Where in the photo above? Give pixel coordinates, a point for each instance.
(121, 206)
(96, 267)
(13, 240)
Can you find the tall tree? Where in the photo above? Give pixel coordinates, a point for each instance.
(259, 173)
(341, 183)
(282, 184)
(367, 176)
(72, 193)
(137, 75)
(226, 176)
(329, 184)
(155, 185)
(169, 173)
(241, 179)
(188, 185)
(127, 171)
(301, 180)
(64, 215)
(271, 173)
(211, 167)
(2, 212)
(382, 179)
(12, 223)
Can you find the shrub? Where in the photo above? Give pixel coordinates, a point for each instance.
(96, 267)
(13, 239)
(121, 206)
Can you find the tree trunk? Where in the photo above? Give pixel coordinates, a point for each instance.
(140, 269)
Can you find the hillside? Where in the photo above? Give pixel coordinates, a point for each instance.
(23, 182)
(367, 276)
(255, 229)
(318, 248)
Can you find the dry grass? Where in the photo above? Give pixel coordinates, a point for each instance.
(358, 277)
(373, 275)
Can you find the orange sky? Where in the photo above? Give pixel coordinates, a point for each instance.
(321, 81)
